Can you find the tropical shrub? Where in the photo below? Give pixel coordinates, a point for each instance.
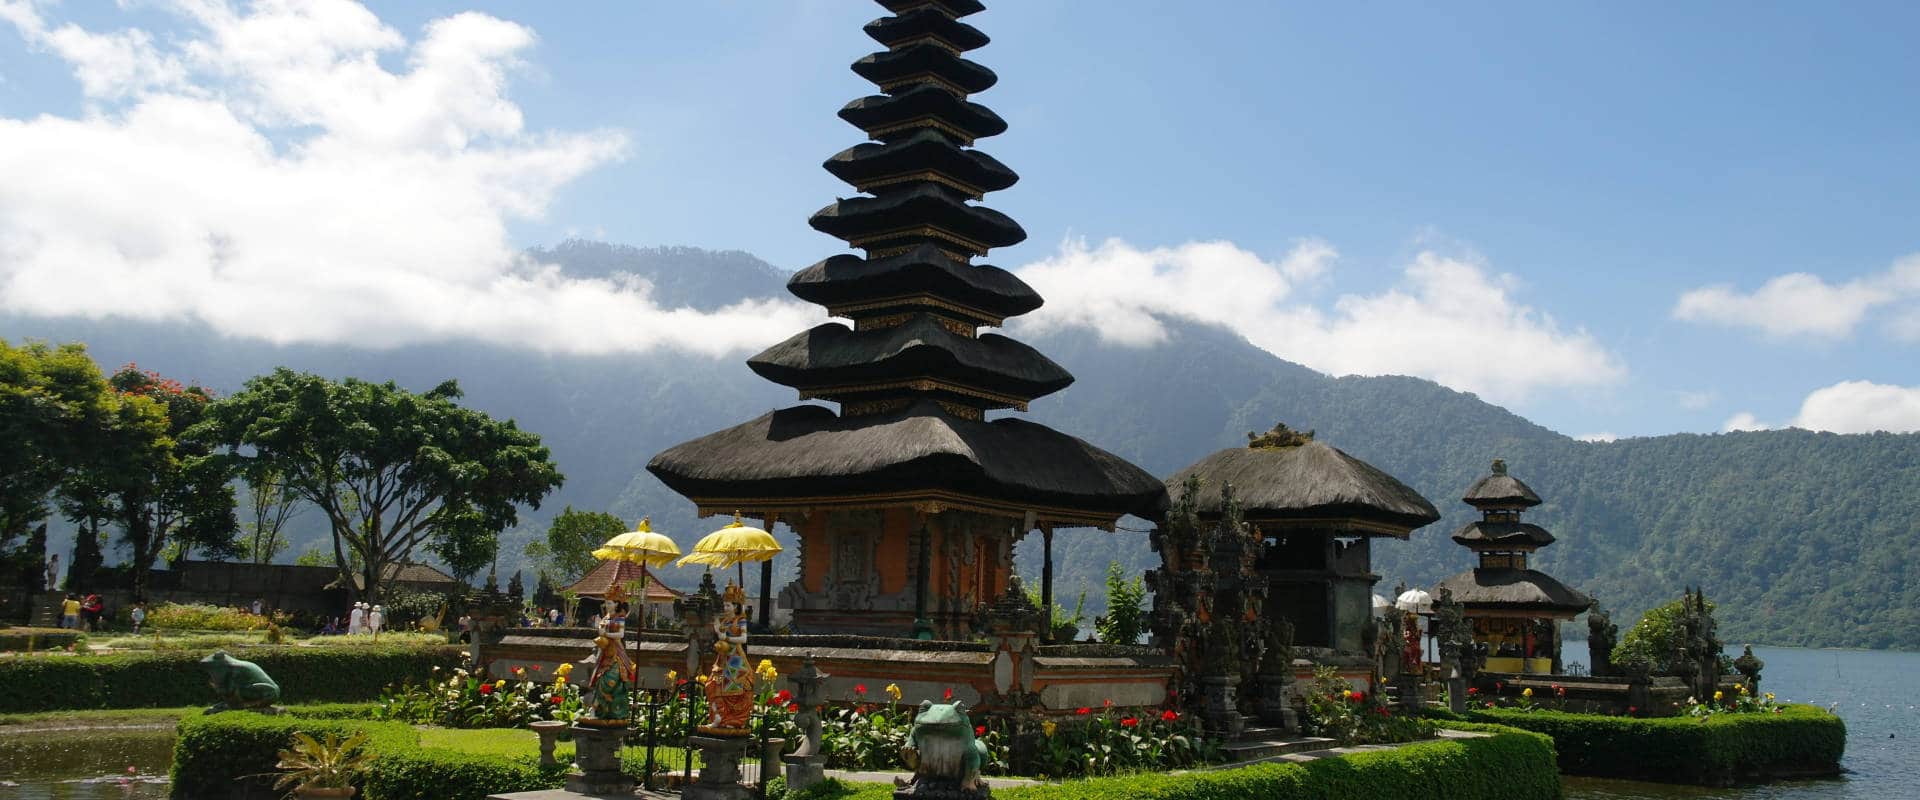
(163, 679)
(1713, 749)
(200, 617)
(458, 698)
(1107, 742)
(1335, 710)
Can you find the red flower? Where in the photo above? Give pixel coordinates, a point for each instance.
(1083, 711)
(1109, 703)
(1560, 690)
(859, 688)
(1129, 722)
(486, 688)
(1632, 709)
(1497, 686)
(1471, 691)
(1359, 697)
(780, 698)
(979, 730)
(793, 707)
(948, 694)
(555, 699)
(1169, 715)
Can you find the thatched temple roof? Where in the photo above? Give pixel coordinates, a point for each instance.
(1307, 481)
(806, 455)
(1500, 490)
(1519, 590)
(1488, 532)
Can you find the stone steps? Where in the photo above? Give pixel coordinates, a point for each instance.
(1258, 744)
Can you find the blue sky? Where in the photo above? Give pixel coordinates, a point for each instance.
(1587, 164)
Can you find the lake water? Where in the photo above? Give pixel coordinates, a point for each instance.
(1877, 693)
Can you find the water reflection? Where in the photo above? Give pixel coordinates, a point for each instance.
(93, 764)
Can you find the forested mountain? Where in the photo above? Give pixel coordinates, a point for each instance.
(1802, 538)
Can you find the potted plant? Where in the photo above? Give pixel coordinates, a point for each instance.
(316, 768)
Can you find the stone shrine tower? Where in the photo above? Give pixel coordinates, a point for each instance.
(908, 500)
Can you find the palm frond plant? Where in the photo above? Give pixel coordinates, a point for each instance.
(323, 768)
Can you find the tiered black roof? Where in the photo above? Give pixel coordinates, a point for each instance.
(1498, 490)
(1500, 583)
(914, 376)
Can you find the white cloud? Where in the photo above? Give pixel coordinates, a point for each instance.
(1861, 407)
(1802, 304)
(1603, 436)
(1744, 421)
(260, 171)
(1449, 320)
(1697, 401)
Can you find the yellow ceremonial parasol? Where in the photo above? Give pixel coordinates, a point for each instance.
(733, 546)
(640, 546)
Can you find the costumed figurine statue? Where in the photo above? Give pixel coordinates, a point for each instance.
(949, 757)
(239, 683)
(1412, 653)
(730, 681)
(610, 685)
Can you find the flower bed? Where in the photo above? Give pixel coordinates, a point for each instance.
(1507, 765)
(1712, 748)
(161, 679)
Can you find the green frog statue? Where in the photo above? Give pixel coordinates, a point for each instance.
(949, 758)
(239, 683)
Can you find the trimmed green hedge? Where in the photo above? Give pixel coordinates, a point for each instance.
(1507, 765)
(38, 639)
(163, 679)
(232, 755)
(1718, 750)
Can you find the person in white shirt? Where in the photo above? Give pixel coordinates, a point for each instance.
(375, 619)
(356, 619)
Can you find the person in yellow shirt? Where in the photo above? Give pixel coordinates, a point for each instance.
(70, 612)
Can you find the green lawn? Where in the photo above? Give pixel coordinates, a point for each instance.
(516, 742)
(100, 717)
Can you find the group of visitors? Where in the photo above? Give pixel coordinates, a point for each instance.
(82, 614)
(366, 618)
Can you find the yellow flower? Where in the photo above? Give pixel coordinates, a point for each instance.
(563, 670)
(500, 684)
(1742, 687)
(766, 669)
(1769, 697)
(1527, 692)
(672, 676)
(893, 689)
(1048, 727)
(702, 680)
(1347, 695)
(1718, 694)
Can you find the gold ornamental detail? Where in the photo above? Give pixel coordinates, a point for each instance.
(927, 121)
(925, 77)
(927, 175)
(928, 231)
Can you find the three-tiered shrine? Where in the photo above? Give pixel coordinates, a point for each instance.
(908, 500)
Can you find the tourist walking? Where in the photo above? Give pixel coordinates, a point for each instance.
(70, 611)
(356, 619)
(375, 619)
(138, 615)
(258, 606)
(53, 573)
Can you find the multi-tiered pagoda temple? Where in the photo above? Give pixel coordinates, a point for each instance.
(908, 500)
(1515, 610)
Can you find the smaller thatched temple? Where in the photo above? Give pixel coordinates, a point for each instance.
(1316, 510)
(601, 581)
(1515, 611)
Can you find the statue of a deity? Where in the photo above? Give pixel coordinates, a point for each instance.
(1412, 649)
(609, 688)
(730, 681)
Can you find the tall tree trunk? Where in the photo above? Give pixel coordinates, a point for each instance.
(33, 559)
(86, 556)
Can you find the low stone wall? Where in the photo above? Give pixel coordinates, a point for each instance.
(1585, 694)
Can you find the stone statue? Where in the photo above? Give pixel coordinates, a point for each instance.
(1602, 635)
(806, 765)
(949, 756)
(1749, 666)
(238, 683)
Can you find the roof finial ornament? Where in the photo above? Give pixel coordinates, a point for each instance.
(1280, 436)
(1499, 466)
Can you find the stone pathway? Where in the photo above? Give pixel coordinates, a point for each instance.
(1293, 751)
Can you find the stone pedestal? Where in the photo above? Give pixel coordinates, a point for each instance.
(1276, 702)
(720, 769)
(1457, 694)
(1411, 696)
(549, 732)
(597, 762)
(1219, 706)
(803, 771)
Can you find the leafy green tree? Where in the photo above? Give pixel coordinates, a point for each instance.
(270, 506)
(567, 552)
(48, 396)
(168, 491)
(1126, 607)
(1657, 637)
(466, 544)
(391, 470)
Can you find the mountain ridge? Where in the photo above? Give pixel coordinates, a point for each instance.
(1761, 519)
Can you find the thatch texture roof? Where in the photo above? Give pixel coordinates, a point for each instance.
(809, 452)
(956, 8)
(1306, 481)
(923, 23)
(925, 269)
(408, 572)
(1508, 589)
(1499, 489)
(619, 573)
(1484, 532)
(833, 355)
